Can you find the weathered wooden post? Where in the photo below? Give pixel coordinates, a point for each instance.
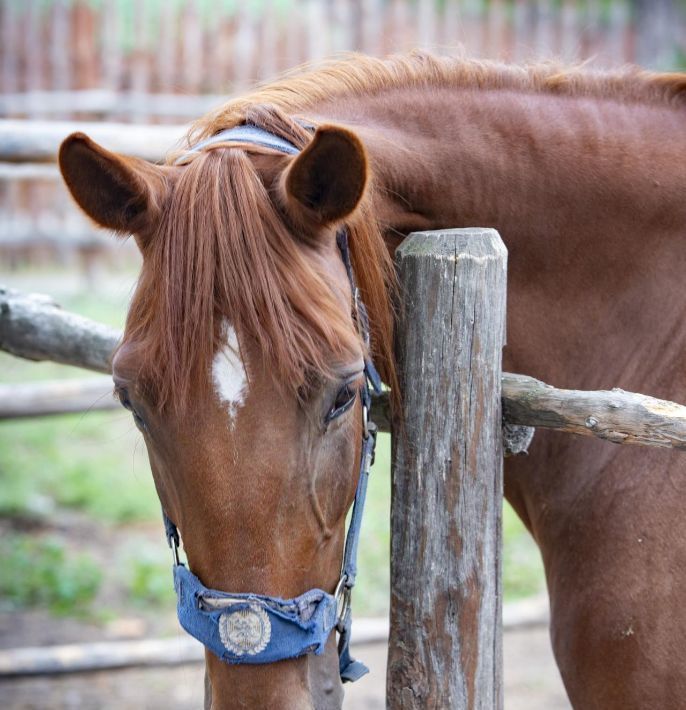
(445, 648)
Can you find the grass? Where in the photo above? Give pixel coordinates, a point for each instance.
(148, 579)
(39, 572)
(93, 463)
(96, 464)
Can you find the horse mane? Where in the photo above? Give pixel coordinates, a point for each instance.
(225, 250)
(357, 74)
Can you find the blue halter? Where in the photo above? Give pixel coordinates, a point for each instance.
(254, 628)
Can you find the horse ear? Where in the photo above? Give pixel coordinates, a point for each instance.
(329, 176)
(115, 191)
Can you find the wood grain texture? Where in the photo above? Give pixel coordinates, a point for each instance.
(34, 327)
(613, 415)
(39, 141)
(445, 647)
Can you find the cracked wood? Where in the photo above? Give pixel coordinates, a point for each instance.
(445, 647)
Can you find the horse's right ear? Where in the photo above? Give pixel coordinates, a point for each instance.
(117, 192)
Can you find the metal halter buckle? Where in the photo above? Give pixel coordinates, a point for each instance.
(175, 550)
(343, 598)
(365, 421)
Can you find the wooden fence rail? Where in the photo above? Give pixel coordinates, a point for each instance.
(39, 141)
(178, 650)
(38, 399)
(34, 327)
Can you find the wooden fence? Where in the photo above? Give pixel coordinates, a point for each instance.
(158, 53)
(171, 60)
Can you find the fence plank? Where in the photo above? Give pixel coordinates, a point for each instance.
(33, 46)
(60, 46)
(38, 141)
(34, 327)
(9, 49)
(445, 646)
(111, 55)
(191, 37)
(426, 24)
(616, 416)
(74, 43)
(176, 650)
(140, 59)
(38, 399)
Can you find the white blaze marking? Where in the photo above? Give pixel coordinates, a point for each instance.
(228, 373)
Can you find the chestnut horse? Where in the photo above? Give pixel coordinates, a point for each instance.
(240, 342)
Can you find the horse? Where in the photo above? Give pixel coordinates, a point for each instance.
(241, 358)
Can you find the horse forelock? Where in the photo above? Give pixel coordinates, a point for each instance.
(224, 253)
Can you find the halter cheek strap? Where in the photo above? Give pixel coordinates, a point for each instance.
(254, 628)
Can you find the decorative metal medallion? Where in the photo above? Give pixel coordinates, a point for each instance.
(245, 631)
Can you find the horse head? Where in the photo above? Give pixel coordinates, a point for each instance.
(243, 366)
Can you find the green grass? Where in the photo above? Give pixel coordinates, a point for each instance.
(94, 463)
(38, 572)
(522, 565)
(148, 576)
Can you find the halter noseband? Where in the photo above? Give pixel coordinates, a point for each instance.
(254, 628)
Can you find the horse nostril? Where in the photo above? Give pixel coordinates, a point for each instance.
(329, 688)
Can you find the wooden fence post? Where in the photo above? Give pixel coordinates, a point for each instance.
(445, 648)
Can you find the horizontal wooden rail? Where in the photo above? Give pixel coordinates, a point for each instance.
(615, 415)
(39, 141)
(104, 101)
(37, 399)
(33, 326)
(108, 655)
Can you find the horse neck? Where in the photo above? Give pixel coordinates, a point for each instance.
(586, 193)
(467, 155)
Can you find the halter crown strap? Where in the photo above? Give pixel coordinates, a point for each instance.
(245, 133)
(254, 628)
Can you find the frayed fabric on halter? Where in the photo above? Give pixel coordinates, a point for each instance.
(254, 628)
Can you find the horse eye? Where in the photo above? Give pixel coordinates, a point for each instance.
(344, 400)
(123, 396)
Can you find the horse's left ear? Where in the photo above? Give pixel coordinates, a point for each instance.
(328, 178)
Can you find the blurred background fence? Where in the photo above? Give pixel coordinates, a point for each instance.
(133, 59)
(167, 61)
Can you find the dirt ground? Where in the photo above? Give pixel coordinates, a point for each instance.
(531, 683)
